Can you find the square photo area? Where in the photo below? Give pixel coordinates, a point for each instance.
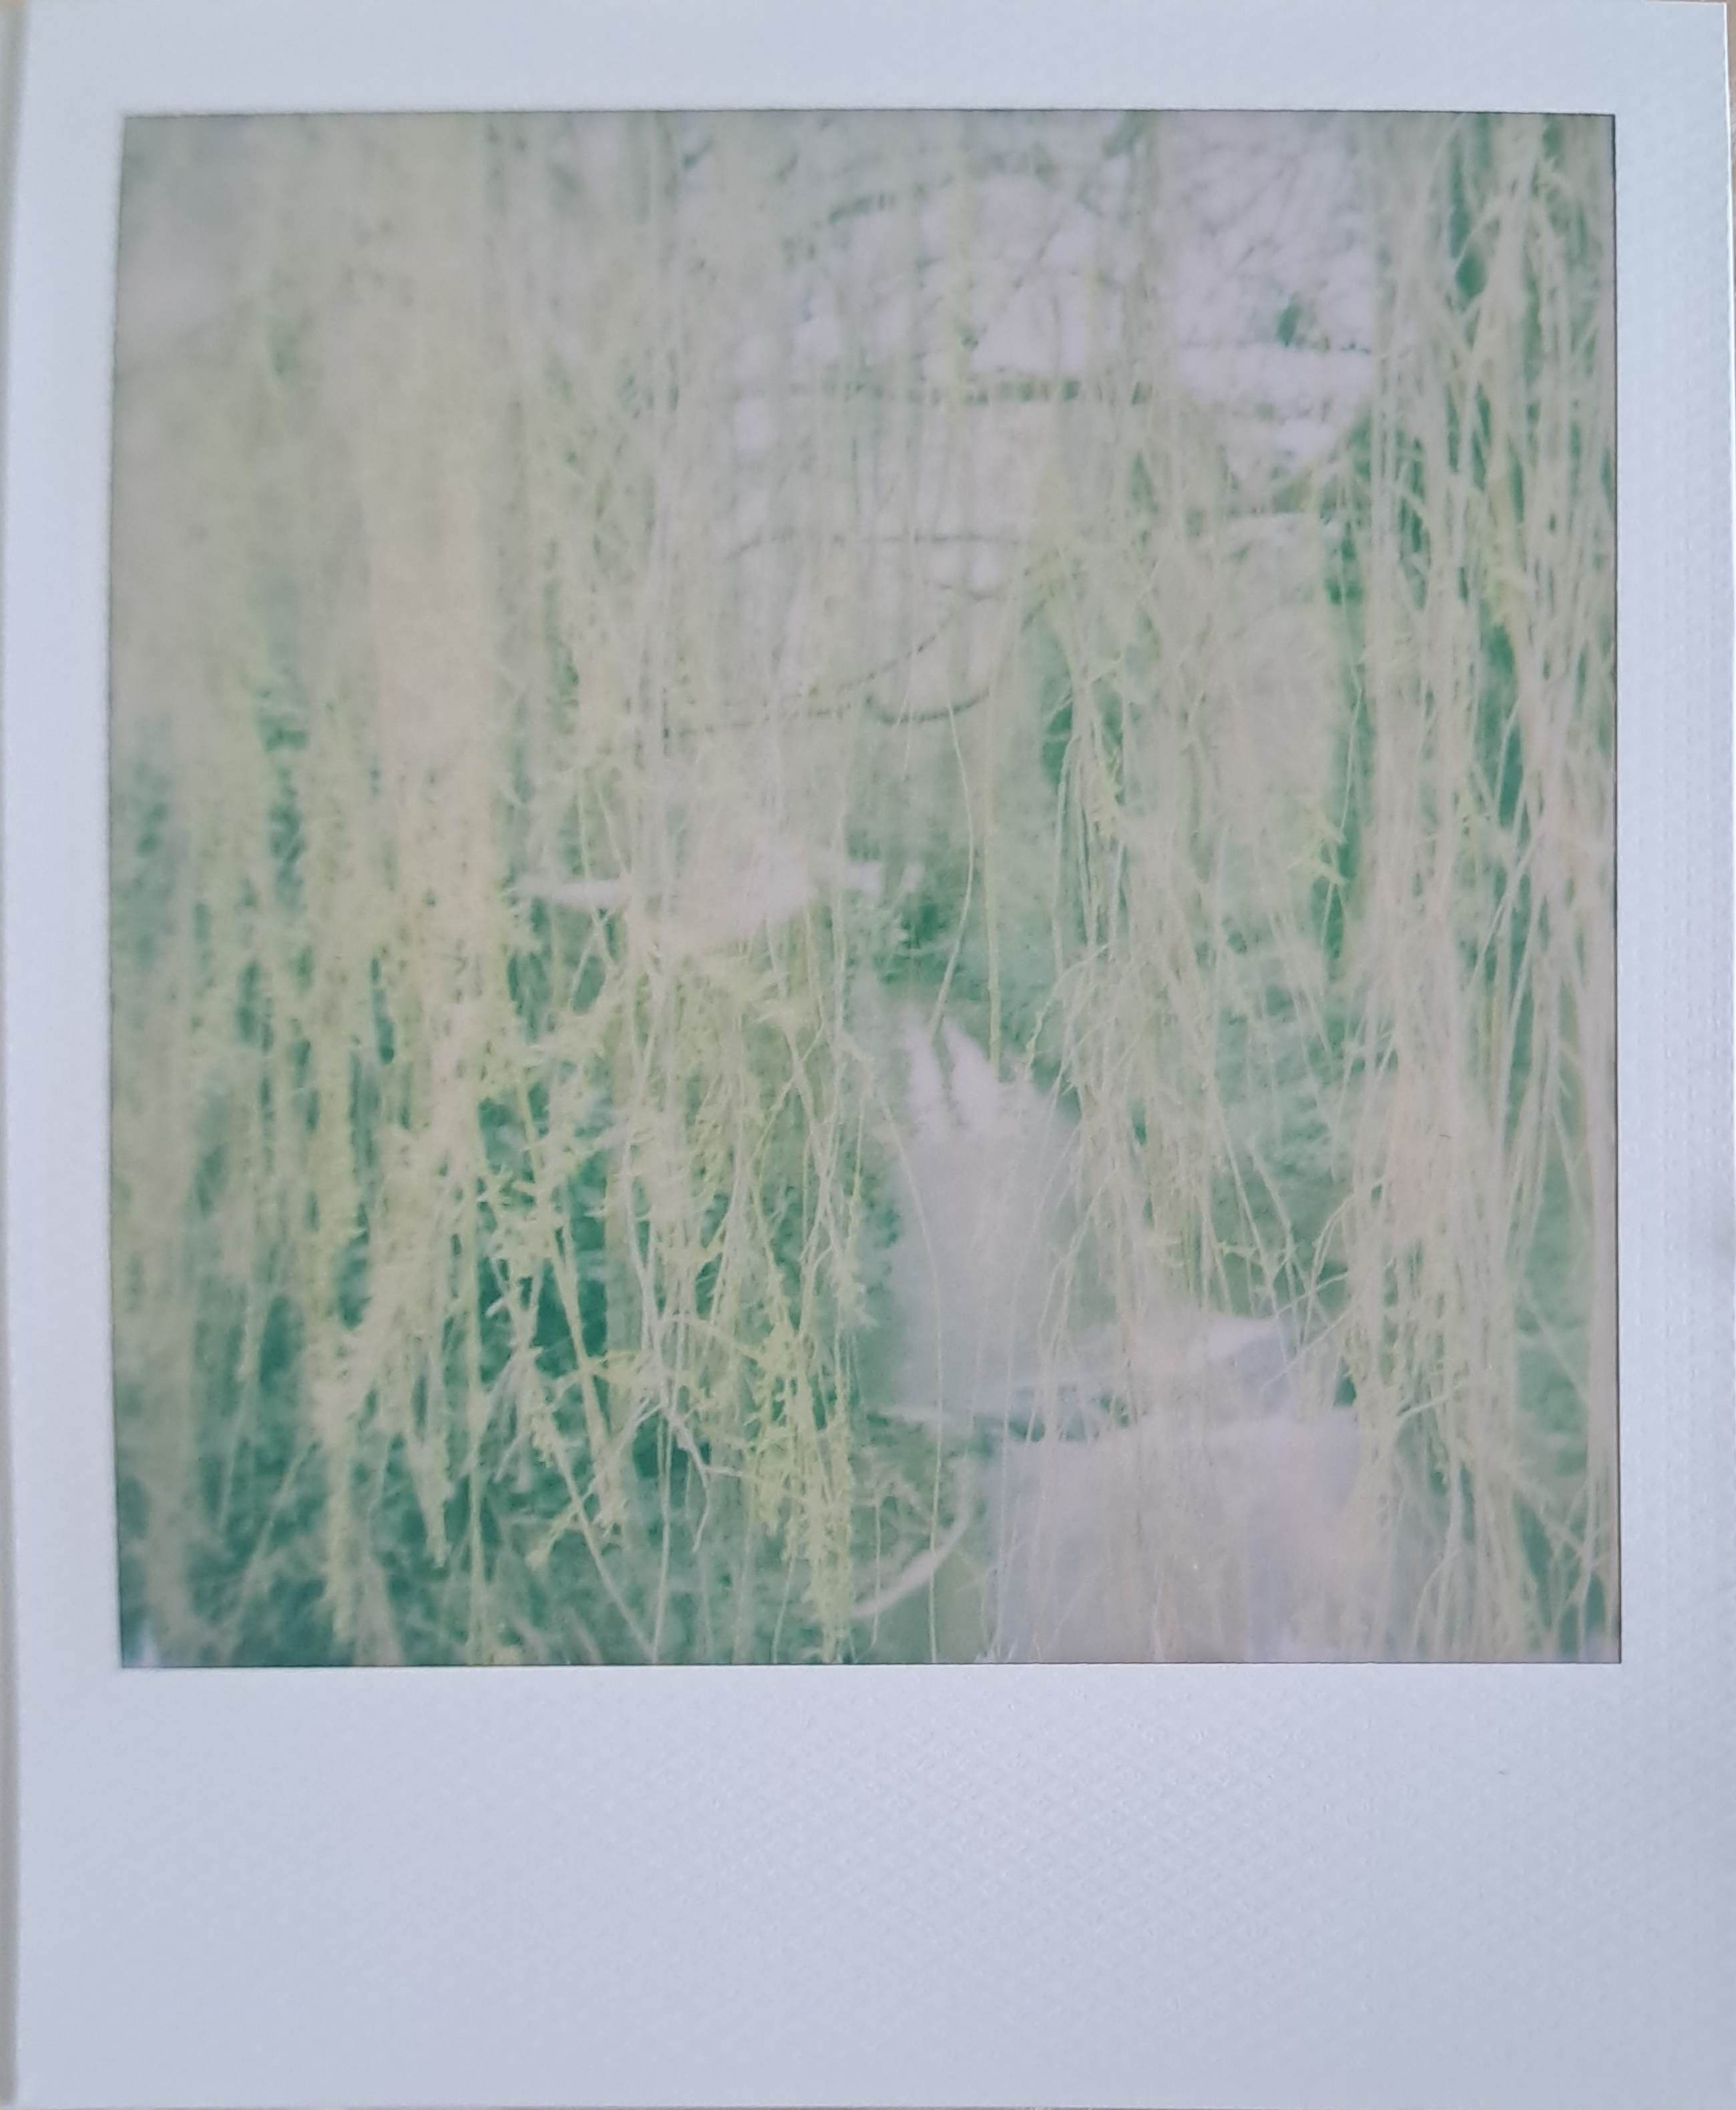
(862, 889)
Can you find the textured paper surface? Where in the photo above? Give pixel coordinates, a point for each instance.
(1185, 1886)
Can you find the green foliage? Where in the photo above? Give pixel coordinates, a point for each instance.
(573, 693)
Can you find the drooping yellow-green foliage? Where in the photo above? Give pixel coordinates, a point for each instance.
(634, 637)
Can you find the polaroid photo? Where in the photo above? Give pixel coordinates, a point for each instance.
(849, 1258)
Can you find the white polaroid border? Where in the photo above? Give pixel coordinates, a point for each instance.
(1278, 1887)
